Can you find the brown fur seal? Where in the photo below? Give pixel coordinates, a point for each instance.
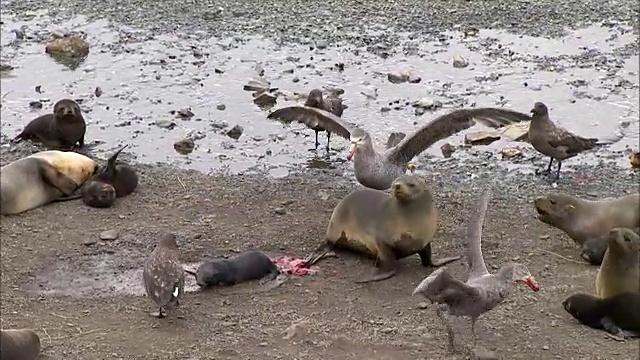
(163, 275)
(113, 181)
(250, 265)
(385, 226)
(588, 222)
(618, 315)
(554, 141)
(620, 269)
(61, 130)
(19, 344)
(42, 178)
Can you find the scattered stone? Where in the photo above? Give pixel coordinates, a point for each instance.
(322, 44)
(298, 329)
(109, 235)
(483, 354)
(185, 113)
(427, 104)
(280, 211)
(423, 305)
(471, 31)
(35, 105)
(122, 123)
(39, 89)
(257, 85)
(184, 146)
(323, 195)
(259, 69)
(89, 242)
(264, 98)
(73, 46)
(516, 132)
(165, 124)
(219, 124)
(509, 153)
(221, 107)
(414, 79)
(481, 138)
(447, 150)
(396, 78)
(97, 92)
(459, 62)
(235, 132)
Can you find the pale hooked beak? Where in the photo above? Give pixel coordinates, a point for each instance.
(352, 150)
(531, 282)
(412, 167)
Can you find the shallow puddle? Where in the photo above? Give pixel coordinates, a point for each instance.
(99, 276)
(589, 87)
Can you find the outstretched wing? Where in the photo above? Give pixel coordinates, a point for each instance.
(448, 124)
(313, 117)
(440, 287)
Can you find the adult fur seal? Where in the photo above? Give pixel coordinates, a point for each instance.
(112, 181)
(618, 315)
(588, 222)
(163, 275)
(42, 178)
(62, 129)
(250, 265)
(19, 344)
(385, 226)
(620, 269)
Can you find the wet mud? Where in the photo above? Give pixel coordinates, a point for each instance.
(588, 78)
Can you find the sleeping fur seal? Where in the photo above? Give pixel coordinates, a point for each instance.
(620, 269)
(62, 129)
(42, 178)
(250, 265)
(618, 315)
(19, 344)
(588, 222)
(113, 181)
(163, 275)
(387, 227)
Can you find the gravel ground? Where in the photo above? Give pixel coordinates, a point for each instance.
(221, 214)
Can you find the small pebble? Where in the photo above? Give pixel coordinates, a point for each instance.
(109, 235)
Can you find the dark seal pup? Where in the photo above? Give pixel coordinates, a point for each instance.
(554, 141)
(250, 265)
(385, 226)
(110, 182)
(618, 315)
(19, 344)
(163, 275)
(588, 222)
(42, 178)
(61, 130)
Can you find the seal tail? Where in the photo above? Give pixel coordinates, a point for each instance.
(76, 195)
(321, 252)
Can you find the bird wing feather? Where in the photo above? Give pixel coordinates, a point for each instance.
(477, 266)
(312, 117)
(448, 124)
(441, 287)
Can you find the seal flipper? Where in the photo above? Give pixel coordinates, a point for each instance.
(111, 162)
(609, 326)
(387, 264)
(77, 194)
(321, 252)
(426, 257)
(57, 179)
(269, 277)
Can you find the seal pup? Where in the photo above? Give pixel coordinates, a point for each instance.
(61, 130)
(619, 315)
(554, 141)
(387, 227)
(42, 178)
(19, 344)
(250, 265)
(482, 291)
(588, 222)
(620, 269)
(112, 181)
(331, 103)
(378, 170)
(163, 275)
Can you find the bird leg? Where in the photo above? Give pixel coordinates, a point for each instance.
(558, 171)
(158, 314)
(450, 334)
(328, 138)
(473, 331)
(317, 143)
(548, 170)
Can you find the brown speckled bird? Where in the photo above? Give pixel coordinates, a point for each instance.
(163, 275)
(330, 103)
(554, 141)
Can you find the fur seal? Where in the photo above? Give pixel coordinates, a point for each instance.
(618, 315)
(42, 178)
(19, 344)
(61, 130)
(588, 222)
(620, 269)
(554, 141)
(112, 181)
(250, 265)
(163, 275)
(387, 227)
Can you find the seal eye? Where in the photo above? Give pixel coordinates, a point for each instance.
(412, 185)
